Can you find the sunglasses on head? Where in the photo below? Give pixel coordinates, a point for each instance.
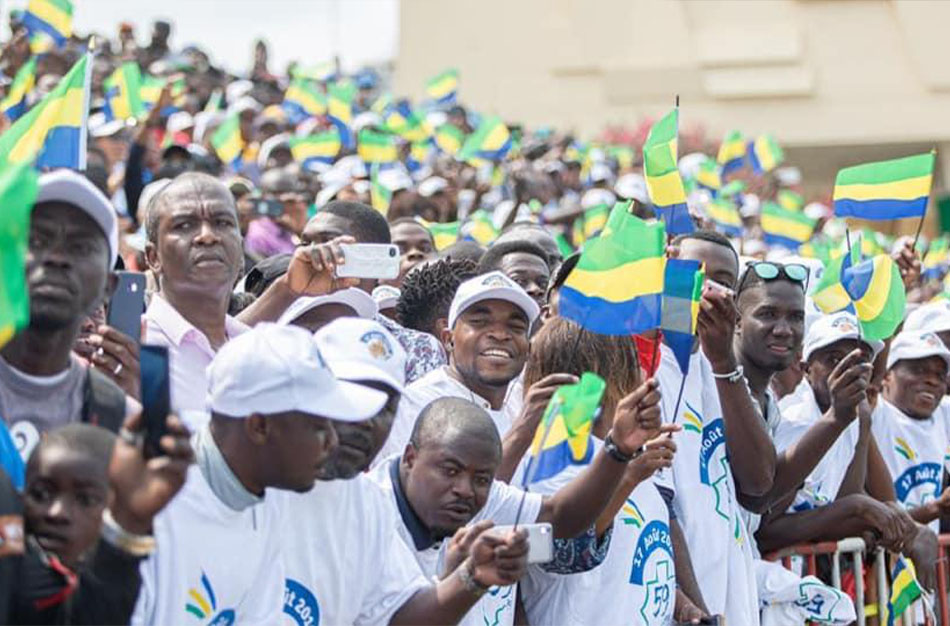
(769, 271)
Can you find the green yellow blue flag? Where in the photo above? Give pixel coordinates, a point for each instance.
(876, 289)
(227, 141)
(14, 103)
(444, 234)
(732, 152)
(663, 177)
(399, 118)
(682, 290)
(829, 294)
(54, 131)
(123, 92)
(340, 110)
(885, 190)
(443, 88)
(725, 216)
(302, 100)
(788, 199)
(480, 228)
(937, 259)
(765, 154)
(785, 227)
(51, 19)
(380, 195)
(617, 285)
(595, 218)
(490, 143)
(708, 175)
(376, 147)
(563, 436)
(449, 138)
(150, 90)
(317, 148)
(18, 189)
(904, 589)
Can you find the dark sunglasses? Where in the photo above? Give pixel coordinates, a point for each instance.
(768, 271)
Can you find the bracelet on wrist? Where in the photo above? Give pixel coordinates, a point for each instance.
(467, 576)
(115, 535)
(610, 447)
(731, 377)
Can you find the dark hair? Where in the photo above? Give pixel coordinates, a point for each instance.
(491, 260)
(464, 249)
(94, 441)
(153, 210)
(427, 292)
(456, 416)
(367, 224)
(712, 236)
(411, 220)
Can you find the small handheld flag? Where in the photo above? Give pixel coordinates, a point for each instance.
(490, 142)
(380, 195)
(302, 100)
(340, 110)
(563, 436)
(375, 147)
(937, 259)
(54, 131)
(725, 216)
(480, 228)
(765, 154)
(449, 139)
(52, 19)
(443, 88)
(123, 92)
(318, 148)
(227, 141)
(877, 291)
(14, 104)
(616, 287)
(885, 190)
(682, 290)
(403, 121)
(785, 227)
(595, 218)
(443, 234)
(830, 295)
(904, 589)
(732, 152)
(788, 199)
(663, 177)
(708, 175)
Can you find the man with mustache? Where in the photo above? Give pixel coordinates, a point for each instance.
(912, 425)
(73, 245)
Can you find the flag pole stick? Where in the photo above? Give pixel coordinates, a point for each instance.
(920, 226)
(532, 467)
(679, 397)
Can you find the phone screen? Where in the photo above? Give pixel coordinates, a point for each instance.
(156, 402)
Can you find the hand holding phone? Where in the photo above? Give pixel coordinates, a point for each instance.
(369, 260)
(540, 540)
(127, 304)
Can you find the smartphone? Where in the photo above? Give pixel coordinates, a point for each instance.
(369, 260)
(714, 286)
(269, 207)
(127, 305)
(156, 401)
(540, 541)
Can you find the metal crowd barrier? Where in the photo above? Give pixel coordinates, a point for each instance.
(855, 548)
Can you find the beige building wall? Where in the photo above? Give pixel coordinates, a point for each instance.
(837, 81)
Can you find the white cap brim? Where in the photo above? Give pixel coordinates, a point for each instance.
(358, 300)
(361, 370)
(344, 402)
(68, 187)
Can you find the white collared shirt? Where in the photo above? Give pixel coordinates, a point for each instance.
(189, 354)
(441, 384)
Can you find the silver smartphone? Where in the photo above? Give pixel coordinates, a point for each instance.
(369, 260)
(540, 541)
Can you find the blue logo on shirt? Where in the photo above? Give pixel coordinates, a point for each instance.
(300, 604)
(924, 474)
(657, 575)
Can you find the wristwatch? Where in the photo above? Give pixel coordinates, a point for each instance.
(610, 447)
(467, 577)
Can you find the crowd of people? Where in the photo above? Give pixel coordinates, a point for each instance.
(347, 450)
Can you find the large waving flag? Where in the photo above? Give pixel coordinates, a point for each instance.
(731, 152)
(443, 88)
(663, 176)
(877, 291)
(51, 19)
(318, 148)
(885, 190)
(563, 435)
(490, 143)
(54, 130)
(765, 154)
(227, 141)
(123, 92)
(784, 227)
(682, 290)
(302, 100)
(617, 285)
(14, 104)
(376, 147)
(725, 216)
(18, 188)
(340, 110)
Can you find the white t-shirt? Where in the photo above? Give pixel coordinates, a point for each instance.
(344, 560)
(915, 452)
(497, 607)
(705, 502)
(822, 485)
(213, 565)
(636, 583)
(440, 384)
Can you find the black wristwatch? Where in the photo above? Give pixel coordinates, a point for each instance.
(611, 449)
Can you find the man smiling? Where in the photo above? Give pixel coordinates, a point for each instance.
(487, 339)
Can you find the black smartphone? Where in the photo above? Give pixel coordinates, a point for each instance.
(127, 304)
(156, 400)
(270, 207)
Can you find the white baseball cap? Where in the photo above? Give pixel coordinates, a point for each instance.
(360, 349)
(912, 345)
(386, 296)
(829, 329)
(356, 299)
(491, 286)
(68, 187)
(274, 369)
(933, 316)
(632, 186)
(432, 185)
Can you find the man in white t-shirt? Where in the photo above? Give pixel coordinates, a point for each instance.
(218, 556)
(912, 425)
(487, 337)
(445, 480)
(345, 561)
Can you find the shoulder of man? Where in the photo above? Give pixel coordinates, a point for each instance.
(104, 402)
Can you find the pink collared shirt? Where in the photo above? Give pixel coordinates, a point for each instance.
(189, 354)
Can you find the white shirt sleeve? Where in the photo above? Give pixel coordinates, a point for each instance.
(503, 502)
